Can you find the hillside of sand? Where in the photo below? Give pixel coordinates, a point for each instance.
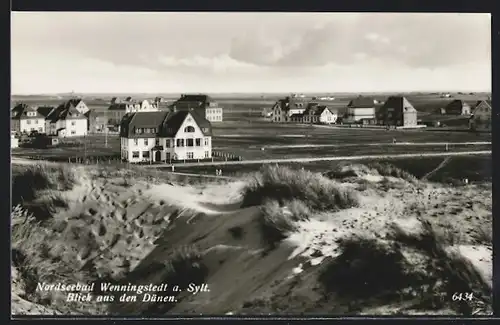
(281, 241)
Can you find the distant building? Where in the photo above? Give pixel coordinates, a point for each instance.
(458, 107)
(481, 116)
(118, 108)
(202, 104)
(163, 136)
(316, 114)
(14, 141)
(358, 109)
(284, 109)
(397, 111)
(27, 119)
(67, 121)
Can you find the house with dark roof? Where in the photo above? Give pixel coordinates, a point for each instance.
(283, 110)
(163, 136)
(316, 114)
(457, 107)
(118, 108)
(67, 120)
(358, 109)
(202, 104)
(26, 119)
(481, 116)
(397, 111)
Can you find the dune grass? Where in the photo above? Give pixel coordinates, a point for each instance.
(370, 268)
(285, 184)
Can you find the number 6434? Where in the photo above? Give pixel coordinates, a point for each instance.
(462, 296)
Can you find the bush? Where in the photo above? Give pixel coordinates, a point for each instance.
(284, 184)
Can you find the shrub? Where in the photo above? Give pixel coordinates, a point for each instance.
(284, 184)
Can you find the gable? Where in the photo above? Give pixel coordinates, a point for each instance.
(189, 122)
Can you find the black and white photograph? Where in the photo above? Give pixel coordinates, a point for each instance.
(251, 163)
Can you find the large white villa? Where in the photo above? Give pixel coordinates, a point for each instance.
(155, 136)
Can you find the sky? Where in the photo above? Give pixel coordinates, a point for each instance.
(230, 52)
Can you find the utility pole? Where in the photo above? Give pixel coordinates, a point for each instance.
(106, 129)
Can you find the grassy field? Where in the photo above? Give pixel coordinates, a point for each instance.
(475, 168)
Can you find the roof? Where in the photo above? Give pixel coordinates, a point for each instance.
(460, 102)
(45, 110)
(488, 102)
(167, 123)
(194, 98)
(317, 110)
(20, 111)
(362, 102)
(399, 103)
(66, 111)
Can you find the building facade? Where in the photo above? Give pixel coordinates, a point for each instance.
(27, 119)
(458, 107)
(359, 109)
(283, 110)
(316, 114)
(202, 104)
(164, 136)
(397, 111)
(481, 116)
(66, 121)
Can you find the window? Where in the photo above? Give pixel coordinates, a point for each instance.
(189, 129)
(157, 142)
(189, 143)
(167, 143)
(180, 142)
(189, 155)
(136, 142)
(73, 123)
(28, 122)
(206, 142)
(135, 154)
(73, 132)
(39, 129)
(207, 154)
(198, 142)
(146, 142)
(145, 154)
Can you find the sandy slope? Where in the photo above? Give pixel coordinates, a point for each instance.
(123, 229)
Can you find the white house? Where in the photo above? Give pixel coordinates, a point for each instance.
(360, 108)
(26, 119)
(165, 136)
(66, 121)
(481, 116)
(14, 141)
(202, 104)
(316, 114)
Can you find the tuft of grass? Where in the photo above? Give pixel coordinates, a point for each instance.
(484, 234)
(35, 178)
(285, 184)
(366, 268)
(385, 169)
(457, 274)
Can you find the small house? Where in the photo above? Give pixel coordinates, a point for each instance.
(481, 116)
(358, 109)
(397, 111)
(458, 107)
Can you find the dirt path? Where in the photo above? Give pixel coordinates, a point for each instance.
(370, 144)
(331, 158)
(441, 165)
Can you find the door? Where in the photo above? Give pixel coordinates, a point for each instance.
(167, 158)
(158, 155)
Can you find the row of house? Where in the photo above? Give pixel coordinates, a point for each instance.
(395, 111)
(71, 118)
(202, 104)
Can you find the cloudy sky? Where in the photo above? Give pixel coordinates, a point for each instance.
(249, 52)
